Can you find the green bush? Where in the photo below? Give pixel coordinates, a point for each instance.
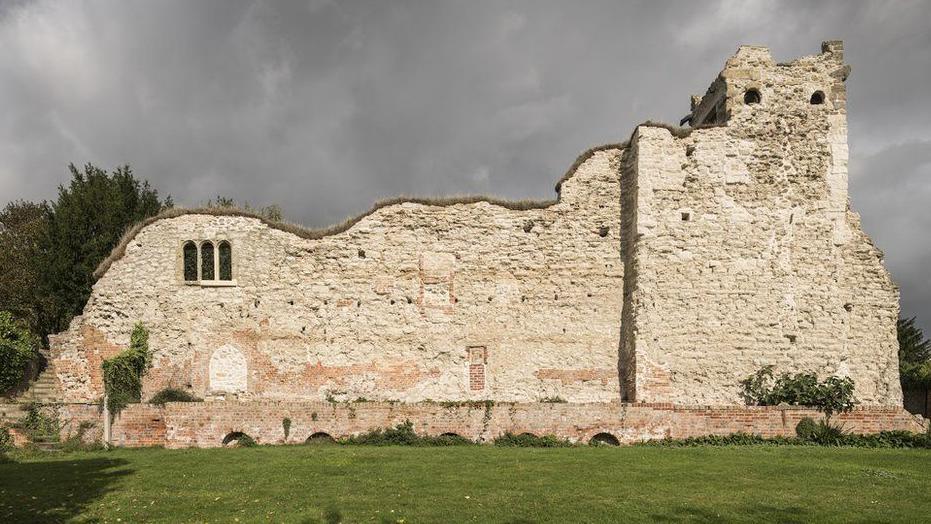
(122, 374)
(6, 440)
(172, 395)
(246, 441)
(805, 428)
(734, 439)
(403, 435)
(823, 434)
(39, 423)
(826, 434)
(76, 442)
(18, 348)
(526, 440)
(832, 395)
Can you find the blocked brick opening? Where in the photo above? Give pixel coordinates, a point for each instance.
(478, 356)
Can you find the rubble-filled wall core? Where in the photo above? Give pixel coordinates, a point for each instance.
(669, 269)
(747, 253)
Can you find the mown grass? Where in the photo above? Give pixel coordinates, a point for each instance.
(469, 484)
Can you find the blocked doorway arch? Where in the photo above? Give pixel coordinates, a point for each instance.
(227, 371)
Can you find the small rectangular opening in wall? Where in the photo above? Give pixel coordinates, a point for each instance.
(478, 357)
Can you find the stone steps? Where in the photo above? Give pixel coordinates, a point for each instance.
(11, 412)
(44, 390)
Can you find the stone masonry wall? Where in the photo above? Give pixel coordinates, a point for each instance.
(414, 302)
(747, 253)
(207, 424)
(668, 270)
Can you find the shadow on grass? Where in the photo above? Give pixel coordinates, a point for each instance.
(56, 490)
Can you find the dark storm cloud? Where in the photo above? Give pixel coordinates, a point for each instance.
(324, 107)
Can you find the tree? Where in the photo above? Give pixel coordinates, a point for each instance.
(18, 349)
(23, 225)
(84, 224)
(914, 355)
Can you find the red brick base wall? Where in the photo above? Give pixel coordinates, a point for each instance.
(206, 424)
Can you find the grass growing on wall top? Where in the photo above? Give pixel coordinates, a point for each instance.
(317, 233)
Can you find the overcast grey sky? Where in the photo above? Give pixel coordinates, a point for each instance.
(324, 107)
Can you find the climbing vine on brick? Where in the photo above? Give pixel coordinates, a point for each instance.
(122, 374)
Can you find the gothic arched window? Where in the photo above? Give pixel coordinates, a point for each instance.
(206, 261)
(226, 260)
(190, 262)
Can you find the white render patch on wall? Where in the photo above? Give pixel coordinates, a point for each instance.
(227, 371)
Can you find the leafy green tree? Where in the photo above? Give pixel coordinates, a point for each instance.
(914, 355)
(23, 226)
(18, 348)
(84, 224)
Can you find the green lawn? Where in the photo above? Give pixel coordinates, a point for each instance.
(469, 484)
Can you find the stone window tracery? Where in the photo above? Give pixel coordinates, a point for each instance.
(190, 261)
(208, 263)
(225, 261)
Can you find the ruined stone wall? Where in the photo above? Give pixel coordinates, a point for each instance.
(414, 302)
(669, 270)
(747, 253)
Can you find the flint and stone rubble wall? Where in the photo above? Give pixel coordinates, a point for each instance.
(746, 252)
(668, 270)
(395, 308)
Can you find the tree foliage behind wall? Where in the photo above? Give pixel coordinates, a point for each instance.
(21, 261)
(85, 222)
(914, 355)
(48, 251)
(17, 349)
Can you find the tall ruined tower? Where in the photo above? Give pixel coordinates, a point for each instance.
(740, 248)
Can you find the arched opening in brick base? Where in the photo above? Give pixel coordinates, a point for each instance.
(235, 438)
(320, 438)
(604, 439)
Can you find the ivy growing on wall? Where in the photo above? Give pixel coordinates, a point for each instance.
(122, 374)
